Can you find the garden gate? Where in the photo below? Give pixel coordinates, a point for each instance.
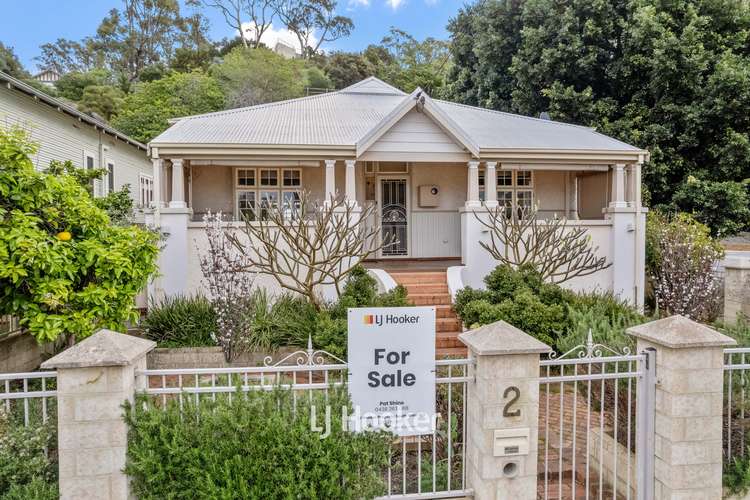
(596, 424)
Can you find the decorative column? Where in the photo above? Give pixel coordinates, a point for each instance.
(472, 193)
(351, 182)
(688, 406)
(330, 181)
(573, 190)
(174, 221)
(506, 366)
(618, 187)
(178, 185)
(490, 184)
(94, 378)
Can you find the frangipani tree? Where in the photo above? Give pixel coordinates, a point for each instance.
(310, 244)
(558, 251)
(64, 268)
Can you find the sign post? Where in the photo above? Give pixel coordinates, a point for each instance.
(391, 356)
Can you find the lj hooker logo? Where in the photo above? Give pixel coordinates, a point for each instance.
(390, 319)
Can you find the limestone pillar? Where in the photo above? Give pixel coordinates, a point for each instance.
(618, 187)
(736, 289)
(178, 185)
(688, 406)
(501, 441)
(472, 188)
(94, 378)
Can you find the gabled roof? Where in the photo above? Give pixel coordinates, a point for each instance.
(357, 115)
(16, 84)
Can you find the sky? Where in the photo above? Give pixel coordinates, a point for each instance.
(27, 24)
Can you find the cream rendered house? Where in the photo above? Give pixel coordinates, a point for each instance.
(428, 166)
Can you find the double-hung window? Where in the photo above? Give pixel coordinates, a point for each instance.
(260, 190)
(515, 189)
(146, 190)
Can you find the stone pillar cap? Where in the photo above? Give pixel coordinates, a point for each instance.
(679, 332)
(104, 348)
(502, 338)
(737, 262)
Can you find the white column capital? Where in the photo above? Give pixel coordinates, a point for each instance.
(473, 164)
(491, 164)
(350, 163)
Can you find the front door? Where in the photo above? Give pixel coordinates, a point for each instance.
(394, 217)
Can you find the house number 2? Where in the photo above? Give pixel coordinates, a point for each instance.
(514, 393)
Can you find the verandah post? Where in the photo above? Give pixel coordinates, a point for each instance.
(502, 412)
(94, 378)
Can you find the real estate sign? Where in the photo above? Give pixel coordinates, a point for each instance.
(392, 368)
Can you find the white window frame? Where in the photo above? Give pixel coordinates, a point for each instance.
(145, 190)
(254, 209)
(514, 188)
(259, 188)
(110, 179)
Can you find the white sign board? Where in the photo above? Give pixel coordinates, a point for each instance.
(392, 368)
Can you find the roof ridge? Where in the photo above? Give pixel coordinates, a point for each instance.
(555, 122)
(373, 78)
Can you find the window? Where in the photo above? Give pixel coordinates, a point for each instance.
(146, 190)
(515, 189)
(260, 190)
(246, 205)
(481, 185)
(110, 176)
(89, 160)
(245, 177)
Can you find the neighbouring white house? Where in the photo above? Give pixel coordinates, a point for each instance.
(427, 165)
(64, 133)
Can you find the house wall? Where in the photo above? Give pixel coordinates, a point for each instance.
(62, 137)
(415, 133)
(593, 194)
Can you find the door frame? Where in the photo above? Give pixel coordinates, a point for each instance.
(379, 212)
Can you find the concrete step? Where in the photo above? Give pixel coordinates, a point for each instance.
(444, 311)
(441, 288)
(448, 325)
(452, 352)
(429, 299)
(417, 277)
(448, 340)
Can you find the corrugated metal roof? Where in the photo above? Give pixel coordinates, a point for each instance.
(344, 117)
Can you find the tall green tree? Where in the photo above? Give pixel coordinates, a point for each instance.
(10, 64)
(256, 76)
(144, 112)
(670, 77)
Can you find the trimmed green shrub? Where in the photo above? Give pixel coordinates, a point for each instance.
(557, 317)
(25, 459)
(261, 446)
(37, 489)
(181, 321)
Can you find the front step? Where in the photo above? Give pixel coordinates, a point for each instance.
(451, 324)
(416, 278)
(425, 288)
(447, 340)
(451, 352)
(444, 311)
(429, 299)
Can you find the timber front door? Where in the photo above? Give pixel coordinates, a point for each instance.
(394, 216)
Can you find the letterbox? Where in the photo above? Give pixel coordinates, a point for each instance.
(511, 442)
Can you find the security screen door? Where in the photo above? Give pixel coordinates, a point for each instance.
(394, 216)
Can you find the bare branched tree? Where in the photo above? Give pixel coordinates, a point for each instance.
(307, 17)
(559, 252)
(310, 244)
(259, 13)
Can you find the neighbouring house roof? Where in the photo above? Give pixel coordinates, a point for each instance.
(16, 84)
(354, 117)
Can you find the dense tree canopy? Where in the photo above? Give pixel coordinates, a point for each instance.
(671, 77)
(145, 112)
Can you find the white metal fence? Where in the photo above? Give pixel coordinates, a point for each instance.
(28, 398)
(736, 398)
(596, 417)
(426, 466)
